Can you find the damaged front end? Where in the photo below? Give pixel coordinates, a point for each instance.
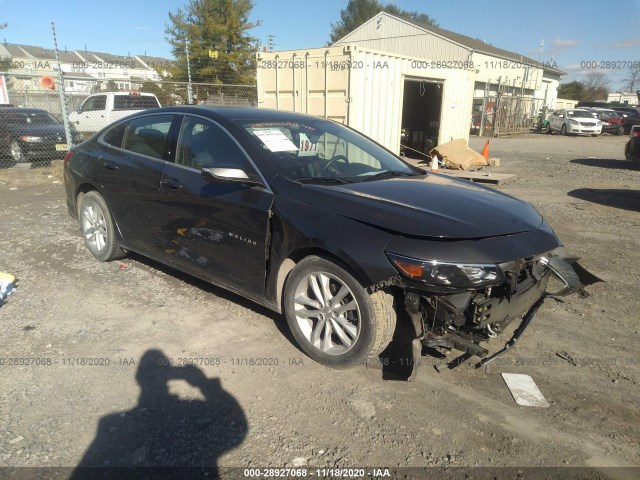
(459, 306)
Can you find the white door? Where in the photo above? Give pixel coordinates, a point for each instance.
(92, 115)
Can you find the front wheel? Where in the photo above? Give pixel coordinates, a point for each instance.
(563, 130)
(16, 151)
(333, 319)
(98, 229)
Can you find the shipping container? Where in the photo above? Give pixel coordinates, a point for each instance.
(396, 100)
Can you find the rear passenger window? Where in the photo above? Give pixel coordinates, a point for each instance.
(147, 135)
(134, 102)
(114, 136)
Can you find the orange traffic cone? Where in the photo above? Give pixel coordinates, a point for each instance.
(434, 163)
(485, 151)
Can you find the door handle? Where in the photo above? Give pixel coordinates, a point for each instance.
(110, 165)
(173, 183)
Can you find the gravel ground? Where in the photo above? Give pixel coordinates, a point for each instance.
(95, 355)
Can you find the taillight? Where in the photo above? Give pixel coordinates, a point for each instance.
(68, 156)
(635, 134)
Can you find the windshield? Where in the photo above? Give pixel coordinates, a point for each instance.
(321, 150)
(26, 117)
(579, 114)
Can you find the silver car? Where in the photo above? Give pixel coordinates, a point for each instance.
(574, 122)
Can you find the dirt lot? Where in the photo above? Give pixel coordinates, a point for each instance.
(83, 344)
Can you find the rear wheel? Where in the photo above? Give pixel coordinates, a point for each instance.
(98, 229)
(333, 319)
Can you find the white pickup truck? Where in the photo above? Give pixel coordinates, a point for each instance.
(101, 109)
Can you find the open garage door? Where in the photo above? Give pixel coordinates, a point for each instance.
(421, 109)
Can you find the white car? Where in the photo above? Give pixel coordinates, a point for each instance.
(574, 121)
(101, 109)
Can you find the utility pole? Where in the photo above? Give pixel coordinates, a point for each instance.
(61, 94)
(189, 85)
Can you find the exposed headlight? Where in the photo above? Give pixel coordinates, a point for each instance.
(573, 122)
(30, 139)
(459, 275)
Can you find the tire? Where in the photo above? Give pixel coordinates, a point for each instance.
(548, 131)
(563, 130)
(16, 151)
(329, 333)
(619, 131)
(98, 229)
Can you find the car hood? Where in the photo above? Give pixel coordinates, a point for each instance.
(585, 120)
(430, 205)
(37, 130)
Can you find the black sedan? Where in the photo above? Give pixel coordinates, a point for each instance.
(314, 220)
(28, 134)
(632, 147)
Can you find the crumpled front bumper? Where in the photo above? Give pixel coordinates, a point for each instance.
(559, 262)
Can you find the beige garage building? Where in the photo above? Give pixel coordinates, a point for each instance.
(403, 84)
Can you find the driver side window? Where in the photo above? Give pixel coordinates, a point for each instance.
(99, 102)
(202, 144)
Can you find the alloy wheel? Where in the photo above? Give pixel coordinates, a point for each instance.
(94, 226)
(327, 313)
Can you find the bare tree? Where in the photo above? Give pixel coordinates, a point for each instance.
(632, 81)
(596, 86)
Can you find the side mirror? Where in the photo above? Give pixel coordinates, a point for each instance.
(226, 175)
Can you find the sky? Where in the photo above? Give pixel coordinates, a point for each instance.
(577, 35)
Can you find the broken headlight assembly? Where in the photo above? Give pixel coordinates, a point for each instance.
(446, 274)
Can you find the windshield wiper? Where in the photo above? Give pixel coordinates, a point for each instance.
(386, 174)
(322, 180)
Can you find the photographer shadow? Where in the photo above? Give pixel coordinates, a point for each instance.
(165, 436)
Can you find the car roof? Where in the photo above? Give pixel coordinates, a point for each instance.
(239, 113)
(20, 109)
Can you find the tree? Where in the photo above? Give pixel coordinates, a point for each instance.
(413, 16)
(359, 11)
(5, 64)
(214, 28)
(596, 87)
(632, 81)
(571, 91)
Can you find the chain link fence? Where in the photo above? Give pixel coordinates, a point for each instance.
(506, 115)
(32, 132)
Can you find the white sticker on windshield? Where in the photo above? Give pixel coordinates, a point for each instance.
(307, 147)
(275, 140)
